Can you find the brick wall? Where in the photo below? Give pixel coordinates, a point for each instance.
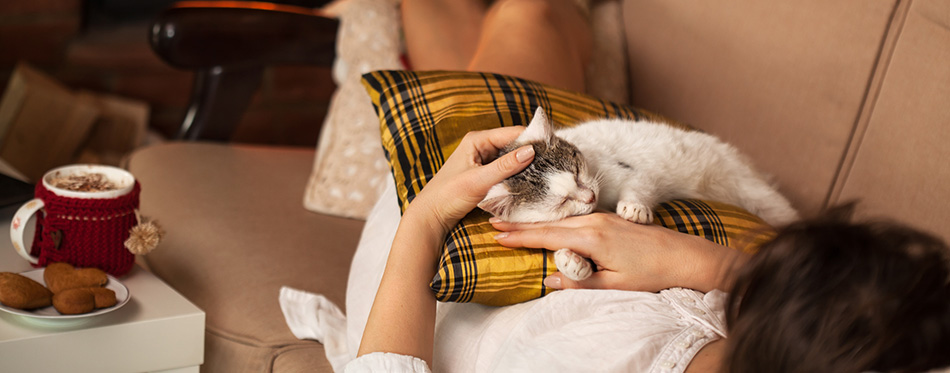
(49, 35)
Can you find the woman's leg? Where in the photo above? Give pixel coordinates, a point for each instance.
(442, 34)
(548, 41)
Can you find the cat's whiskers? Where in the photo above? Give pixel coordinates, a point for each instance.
(599, 178)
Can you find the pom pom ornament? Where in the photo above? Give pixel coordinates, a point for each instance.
(145, 236)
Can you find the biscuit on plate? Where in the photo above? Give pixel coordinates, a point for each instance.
(63, 276)
(21, 292)
(82, 300)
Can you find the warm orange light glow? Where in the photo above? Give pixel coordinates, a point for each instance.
(247, 5)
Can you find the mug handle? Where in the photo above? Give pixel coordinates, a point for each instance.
(18, 226)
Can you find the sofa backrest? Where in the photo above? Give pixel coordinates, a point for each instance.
(838, 100)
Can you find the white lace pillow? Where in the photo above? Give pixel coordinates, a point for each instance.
(349, 170)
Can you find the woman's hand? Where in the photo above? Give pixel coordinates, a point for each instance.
(464, 179)
(628, 256)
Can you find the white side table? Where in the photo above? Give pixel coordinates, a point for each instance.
(157, 331)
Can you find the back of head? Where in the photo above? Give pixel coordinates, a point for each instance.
(832, 296)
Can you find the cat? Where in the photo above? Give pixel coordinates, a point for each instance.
(628, 167)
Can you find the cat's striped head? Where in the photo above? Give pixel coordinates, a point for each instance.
(556, 185)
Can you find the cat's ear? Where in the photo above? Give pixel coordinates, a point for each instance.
(539, 129)
(498, 201)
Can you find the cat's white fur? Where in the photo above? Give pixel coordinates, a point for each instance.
(632, 166)
(669, 163)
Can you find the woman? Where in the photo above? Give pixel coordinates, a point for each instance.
(823, 296)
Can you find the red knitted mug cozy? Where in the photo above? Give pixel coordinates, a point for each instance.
(85, 232)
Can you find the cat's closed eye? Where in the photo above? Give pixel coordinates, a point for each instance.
(564, 201)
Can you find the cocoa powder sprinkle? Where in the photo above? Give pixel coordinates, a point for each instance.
(92, 182)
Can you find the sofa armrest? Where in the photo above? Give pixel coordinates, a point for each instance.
(228, 45)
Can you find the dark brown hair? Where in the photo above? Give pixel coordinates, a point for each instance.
(831, 296)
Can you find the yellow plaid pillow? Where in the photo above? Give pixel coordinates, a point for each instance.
(424, 115)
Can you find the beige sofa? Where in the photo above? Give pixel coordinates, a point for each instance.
(838, 100)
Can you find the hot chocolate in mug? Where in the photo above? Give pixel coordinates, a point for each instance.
(83, 216)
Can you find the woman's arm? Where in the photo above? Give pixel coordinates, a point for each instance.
(629, 256)
(402, 319)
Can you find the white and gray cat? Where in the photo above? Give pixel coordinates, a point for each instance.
(628, 167)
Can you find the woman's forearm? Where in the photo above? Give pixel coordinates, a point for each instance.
(708, 265)
(629, 256)
(402, 319)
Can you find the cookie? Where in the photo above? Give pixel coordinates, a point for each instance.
(63, 276)
(82, 300)
(104, 297)
(20, 292)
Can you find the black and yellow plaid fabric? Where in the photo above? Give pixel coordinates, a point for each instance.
(718, 222)
(424, 115)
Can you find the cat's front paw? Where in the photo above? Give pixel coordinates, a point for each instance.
(573, 266)
(635, 212)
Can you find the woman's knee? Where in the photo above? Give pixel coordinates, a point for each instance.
(529, 11)
(564, 18)
(543, 40)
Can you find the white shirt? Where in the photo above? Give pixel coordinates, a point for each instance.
(570, 331)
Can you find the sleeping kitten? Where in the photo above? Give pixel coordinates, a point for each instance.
(627, 167)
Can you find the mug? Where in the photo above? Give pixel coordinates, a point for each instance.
(85, 228)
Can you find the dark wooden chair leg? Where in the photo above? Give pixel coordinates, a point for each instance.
(218, 101)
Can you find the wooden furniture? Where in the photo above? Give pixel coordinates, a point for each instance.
(228, 44)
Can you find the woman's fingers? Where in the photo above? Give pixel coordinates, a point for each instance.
(506, 166)
(595, 219)
(549, 238)
(467, 188)
(484, 145)
(492, 140)
(467, 166)
(584, 235)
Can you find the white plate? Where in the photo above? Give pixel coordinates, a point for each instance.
(122, 297)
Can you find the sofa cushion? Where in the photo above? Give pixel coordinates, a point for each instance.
(349, 169)
(423, 116)
(899, 166)
(236, 233)
(782, 81)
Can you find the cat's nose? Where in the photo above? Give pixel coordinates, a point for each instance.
(585, 195)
